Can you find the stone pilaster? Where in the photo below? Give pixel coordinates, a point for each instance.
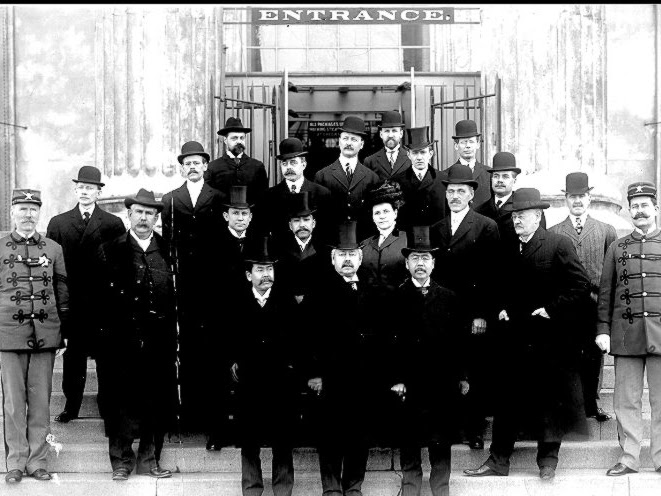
(7, 113)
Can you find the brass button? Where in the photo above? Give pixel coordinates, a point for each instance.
(645, 314)
(644, 275)
(642, 256)
(644, 293)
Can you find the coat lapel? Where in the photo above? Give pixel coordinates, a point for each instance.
(77, 220)
(339, 174)
(399, 163)
(464, 227)
(93, 224)
(358, 175)
(535, 242)
(183, 196)
(568, 230)
(205, 196)
(590, 225)
(387, 242)
(382, 160)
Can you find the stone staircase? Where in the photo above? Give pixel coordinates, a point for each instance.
(83, 468)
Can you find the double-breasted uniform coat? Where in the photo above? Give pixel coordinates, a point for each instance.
(378, 162)
(424, 202)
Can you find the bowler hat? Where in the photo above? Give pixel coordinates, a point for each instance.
(503, 162)
(418, 240)
(238, 197)
(465, 129)
(354, 125)
(291, 148)
(391, 118)
(642, 188)
(233, 125)
(89, 174)
(576, 183)
(388, 192)
(527, 198)
(418, 138)
(26, 196)
(192, 148)
(298, 204)
(145, 198)
(257, 251)
(346, 237)
(460, 174)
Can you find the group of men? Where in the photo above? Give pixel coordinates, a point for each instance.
(489, 298)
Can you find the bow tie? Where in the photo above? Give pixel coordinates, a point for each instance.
(423, 291)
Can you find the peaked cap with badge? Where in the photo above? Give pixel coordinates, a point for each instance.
(26, 196)
(641, 188)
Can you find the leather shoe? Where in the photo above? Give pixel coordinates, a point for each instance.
(14, 476)
(546, 473)
(482, 471)
(65, 417)
(157, 472)
(620, 469)
(476, 443)
(600, 415)
(41, 474)
(120, 474)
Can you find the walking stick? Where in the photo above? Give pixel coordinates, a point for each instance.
(173, 265)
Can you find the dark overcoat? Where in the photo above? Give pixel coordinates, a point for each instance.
(298, 271)
(223, 173)
(424, 202)
(378, 162)
(384, 265)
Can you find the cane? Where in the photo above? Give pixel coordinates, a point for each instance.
(173, 266)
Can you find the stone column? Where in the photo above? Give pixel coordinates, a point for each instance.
(7, 114)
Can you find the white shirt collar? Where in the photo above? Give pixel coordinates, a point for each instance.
(263, 297)
(418, 285)
(231, 155)
(298, 183)
(394, 152)
(418, 172)
(527, 238)
(353, 162)
(385, 234)
(583, 217)
(236, 234)
(86, 209)
(195, 186)
(503, 199)
(144, 243)
(351, 279)
(302, 244)
(470, 164)
(457, 217)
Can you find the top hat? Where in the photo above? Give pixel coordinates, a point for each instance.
(388, 192)
(465, 129)
(460, 174)
(89, 174)
(391, 118)
(418, 138)
(354, 125)
(26, 196)
(298, 204)
(145, 198)
(527, 198)
(418, 240)
(576, 184)
(503, 162)
(642, 188)
(257, 251)
(238, 197)
(233, 125)
(192, 148)
(346, 237)
(290, 148)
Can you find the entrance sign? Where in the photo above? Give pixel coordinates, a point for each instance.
(439, 15)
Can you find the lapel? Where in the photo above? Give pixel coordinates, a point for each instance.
(401, 160)
(93, 224)
(387, 242)
(427, 180)
(382, 160)
(464, 227)
(205, 196)
(445, 230)
(77, 220)
(478, 170)
(567, 228)
(534, 243)
(358, 175)
(589, 226)
(340, 176)
(183, 196)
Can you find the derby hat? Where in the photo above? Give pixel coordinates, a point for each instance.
(418, 138)
(465, 129)
(26, 196)
(527, 198)
(257, 252)
(90, 175)
(388, 192)
(354, 125)
(238, 197)
(642, 188)
(417, 240)
(192, 148)
(346, 237)
(291, 148)
(298, 205)
(460, 174)
(576, 184)
(145, 198)
(391, 118)
(503, 162)
(233, 125)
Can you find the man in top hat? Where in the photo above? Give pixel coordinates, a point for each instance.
(541, 300)
(467, 242)
(80, 232)
(591, 239)
(424, 193)
(235, 168)
(428, 327)
(348, 180)
(263, 367)
(628, 326)
(136, 362)
(467, 143)
(192, 220)
(34, 304)
(391, 159)
(272, 213)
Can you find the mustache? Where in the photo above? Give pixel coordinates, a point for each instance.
(290, 172)
(239, 146)
(641, 215)
(265, 279)
(348, 147)
(301, 229)
(577, 204)
(347, 264)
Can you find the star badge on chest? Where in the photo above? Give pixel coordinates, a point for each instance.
(44, 261)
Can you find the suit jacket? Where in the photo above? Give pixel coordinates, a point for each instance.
(465, 260)
(230, 259)
(223, 173)
(424, 202)
(80, 243)
(483, 178)
(378, 162)
(297, 270)
(384, 265)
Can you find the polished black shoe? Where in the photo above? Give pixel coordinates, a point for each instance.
(482, 471)
(600, 415)
(157, 472)
(41, 474)
(120, 474)
(14, 476)
(476, 443)
(546, 473)
(620, 469)
(65, 417)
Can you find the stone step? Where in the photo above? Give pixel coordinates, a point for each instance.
(193, 457)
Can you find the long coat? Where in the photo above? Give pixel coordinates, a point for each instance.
(80, 243)
(384, 265)
(483, 178)
(296, 270)
(628, 307)
(424, 202)
(223, 173)
(34, 297)
(378, 162)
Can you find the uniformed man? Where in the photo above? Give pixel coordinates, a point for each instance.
(392, 158)
(34, 304)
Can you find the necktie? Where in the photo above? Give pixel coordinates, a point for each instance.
(420, 176)
(237, 161)
(391, 159)
(354, 286)
(261, 302)
(86, 217)
(382, 238)
(579, 227)
(349, 174)
(499, 204)
(522, 245)
(293, 188)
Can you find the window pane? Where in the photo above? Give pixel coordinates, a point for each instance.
(266, 36)
(351, 36)
(386, 35)
(353, 60)
(322, 36)
(267, 59)
(322, 60)
(385, 60)
(291, 36)
(294, 60)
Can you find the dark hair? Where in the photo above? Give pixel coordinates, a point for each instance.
(386, 192)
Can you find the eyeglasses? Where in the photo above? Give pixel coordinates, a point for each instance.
(86, 187)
